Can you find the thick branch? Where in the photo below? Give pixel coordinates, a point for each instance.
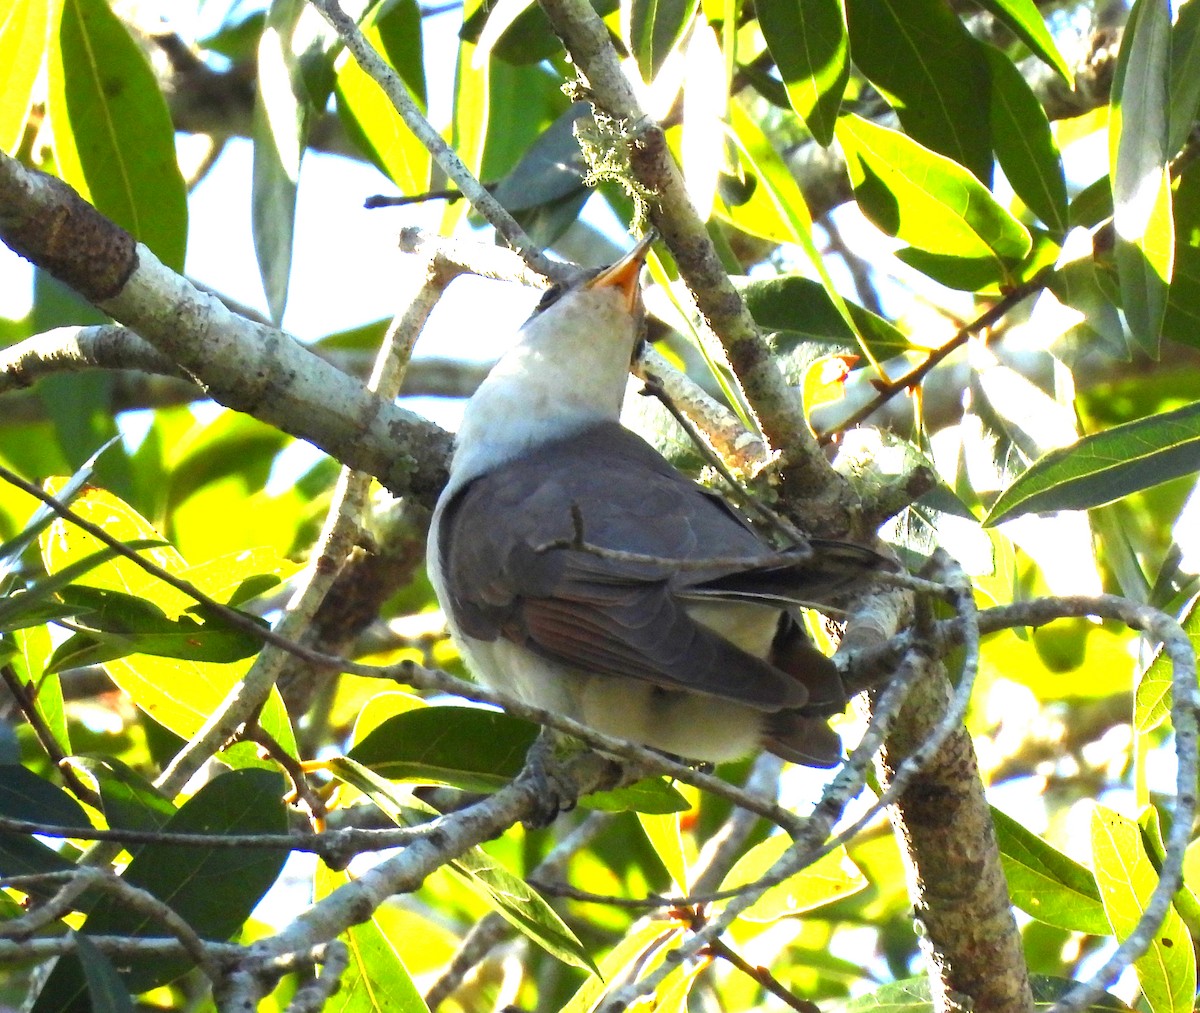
(955, 881)
(244, 365)
(779, 412)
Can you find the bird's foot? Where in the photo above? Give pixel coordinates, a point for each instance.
(554, 790)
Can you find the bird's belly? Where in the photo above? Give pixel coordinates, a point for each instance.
(750, 626)
(686, 724)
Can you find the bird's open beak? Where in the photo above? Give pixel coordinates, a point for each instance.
(624, 274)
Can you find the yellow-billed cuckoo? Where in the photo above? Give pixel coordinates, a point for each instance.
(707, 662)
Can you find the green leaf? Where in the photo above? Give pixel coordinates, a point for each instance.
(526, 38)
(1141, 178)
(37, 599)
(653, 28)
(376, 979)
(29, 665)
(237, 36)
(106, 993)
(830, 878)
(1106, 466)
(394, 30)
(25, 796)
(1028, 25)
(795, 305)
(781, 192)
(927, 200)
(501, 16)
(467, 747)
(663, 833)
(1092, 204)
(519, 904)
(926, 64)
(652, 795)
(628, 955)
(1167, 971)
(545, 189)
(129, 801)
(181, 695)
(279, 129)
(113, 137)
(1045, 883)
(1185, 901)
(809, 43)
(23, 41)
(295, 76)
(115, 624)
(1025, 146)
(214, 889)
(1152, 698)
(1182, 320)
(1185, 76)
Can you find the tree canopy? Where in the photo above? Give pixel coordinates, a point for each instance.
(927, 277)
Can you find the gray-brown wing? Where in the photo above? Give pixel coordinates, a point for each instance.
(512, 568)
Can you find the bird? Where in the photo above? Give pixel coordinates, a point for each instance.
(584, 574)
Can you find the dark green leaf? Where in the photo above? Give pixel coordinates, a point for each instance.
(919, 55)
(522, 102)
(551, 168)
(25, 796)
(113, 137)
(809, 44)
(129, 801)
(253, 587)
(116, 624)
(37, 598)
(529, 39)
(237, 38)
(213, 889)
(1182, 321)
(1045, 883)
(1092, 204)
(794, 304)
(106, 993)
(1106, 466)
(1024, 145)
(653, 29)
(967, 274)
(1141, 182)
(544, 191)
(470, 748)
(766, 84)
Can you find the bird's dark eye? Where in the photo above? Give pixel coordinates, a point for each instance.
(549, 298)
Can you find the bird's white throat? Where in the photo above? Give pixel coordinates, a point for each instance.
(567, 371)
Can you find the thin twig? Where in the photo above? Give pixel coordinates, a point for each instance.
(445, 156)
(887, 389)
(25, 696)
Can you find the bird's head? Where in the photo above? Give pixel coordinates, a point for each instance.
(566, 371)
